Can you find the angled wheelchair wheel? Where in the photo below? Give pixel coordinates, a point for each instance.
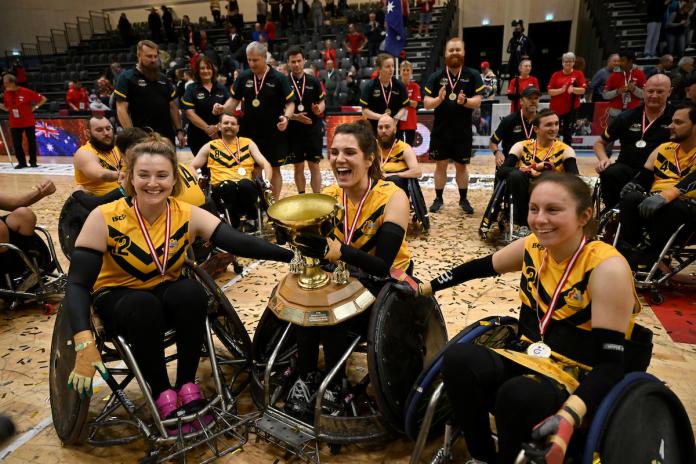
(404, 335)
(493, 210)
(640, 420)
(68, 410)
(72, 216)
(492, 331)
(608, 226)
(419, 207)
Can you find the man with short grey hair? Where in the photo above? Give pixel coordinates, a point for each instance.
(684, 68)
(594, 91)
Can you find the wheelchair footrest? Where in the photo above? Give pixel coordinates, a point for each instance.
(285, 434)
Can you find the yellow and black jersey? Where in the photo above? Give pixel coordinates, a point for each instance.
(190, 193)
(666, 171)
(127, 261)
(224, 167)
(395, 161)
(553, 154)
(568, 332)
(370, 220)
(110, 160)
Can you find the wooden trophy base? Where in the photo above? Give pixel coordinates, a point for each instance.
(328, 305)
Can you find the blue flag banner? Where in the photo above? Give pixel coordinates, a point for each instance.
(396, 36)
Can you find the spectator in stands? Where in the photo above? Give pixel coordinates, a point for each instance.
(125, 30)
(168, 23)
(565, 89)
(374, 32)
(191, 35)
(599, 80)
(425, 16)
(407, 127)
(234, 16)
(330, 9)
(624, 88)
(275, 9)
(664, 66)
(355, 43)
(198, 102)
(328, 53)
(519, 47)
(332, 84)
(261, 11)
(193, 54)
(685, 67)
(216, 11)
(286, 15)
(313, 70)
(490, 81)
(405, 10)
(341, 8)
(77, 98)
(180, 83)
(185, 22)
(188, 76)
(521, 82)
(235, 43)
(655, 15)
(258, 32)
(317, 16)
(19, 71)
(353, 84)
(21, 103)
(104, 88)
(154, 22)
(150, 105)
(675, 30)
(270, 29)
(690, 89)
(301, 14)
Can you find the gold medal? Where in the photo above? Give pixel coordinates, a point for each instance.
(387, 111)
(539, 350)
(453, 96)
(255, 102)
(241, 171)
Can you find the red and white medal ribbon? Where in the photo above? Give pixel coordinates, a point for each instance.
(645, 128)
(297, 88)
(230, 150)
(258, 88)
(449, 78)
(117, 160)
(544, 322)
(676, 160)
(527, 133)
(386, 95)
(534, 156)
(161, 267)
(384, 161)
(348, 234)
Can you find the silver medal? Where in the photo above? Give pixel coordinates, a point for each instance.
(641, 144)
(539, 350)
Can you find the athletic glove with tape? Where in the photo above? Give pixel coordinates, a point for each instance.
(555, 432)
(631, 187)
(650, 205)
(87, 362)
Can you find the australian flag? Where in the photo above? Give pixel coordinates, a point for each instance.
(396, 36)
(54, 141)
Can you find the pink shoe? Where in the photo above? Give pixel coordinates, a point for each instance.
(188, 393)
(166, 405)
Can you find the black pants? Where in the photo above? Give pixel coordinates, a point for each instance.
(239, 198)
(479, 381)
(660, 226)
(613, 180)
(407, 135)
(19, 149)
(142, 318)
(567, 125)
(399, 181)
(518, 186)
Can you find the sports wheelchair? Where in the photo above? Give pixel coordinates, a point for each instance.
(403, 336)
(659, 429)
(32, 272)
(229, 364)
(420, 209)
(262, 204)
(499, 211)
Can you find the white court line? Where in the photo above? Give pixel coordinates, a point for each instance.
(245, 272)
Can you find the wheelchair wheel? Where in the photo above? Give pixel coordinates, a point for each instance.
(266, 337)
(597, 204)
(230, 330)
(608, 226)
(492, 331)
(419, 207)
(72, 216)
(493, 211)
(403, 337)
(68, 410)
(640, 420)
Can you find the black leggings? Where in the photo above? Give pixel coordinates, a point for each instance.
(142, 318)
(479, 381)
(16, 134)
(399, 181)
(239, 198)
(518, 186)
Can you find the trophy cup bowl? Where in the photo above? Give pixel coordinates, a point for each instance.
(309, 213)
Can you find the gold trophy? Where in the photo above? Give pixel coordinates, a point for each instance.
(308, 295)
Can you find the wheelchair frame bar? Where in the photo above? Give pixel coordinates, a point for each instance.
(269, 366)
(425, 426)
(648, 281)
(51, 247)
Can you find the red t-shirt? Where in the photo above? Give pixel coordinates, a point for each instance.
(329, 54)
(561, 103)
(414, 94)
(354, 41)
(79, 98)
(618, 79)
(529, 81)
(19, 104)
(270, 30)
(426, 6)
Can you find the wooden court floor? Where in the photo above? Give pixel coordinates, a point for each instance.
(25, 333)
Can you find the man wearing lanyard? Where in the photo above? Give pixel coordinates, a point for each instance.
(516, 126)
(624, 88)
(305, 125)
(662, 196)
(397, 159)
(453, 92)
(21, 103)
(639, 130)
(267, 105)
(98, 162)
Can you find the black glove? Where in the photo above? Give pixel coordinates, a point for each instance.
(312, 245)
(406, 290)
(650, 205)
(631, 187)
(281, 235)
